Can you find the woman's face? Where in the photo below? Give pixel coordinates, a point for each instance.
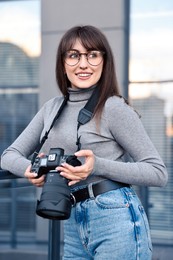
(83, 75)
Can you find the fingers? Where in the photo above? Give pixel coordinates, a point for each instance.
(73, 182)
(71, 173)
(37, 182)
(31, 176)
(41, 155)
(77, 173)
(84, 153)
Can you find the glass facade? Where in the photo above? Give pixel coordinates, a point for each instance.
(151, 93)
(19, 89)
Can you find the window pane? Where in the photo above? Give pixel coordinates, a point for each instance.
(151, 93)
(19, 86)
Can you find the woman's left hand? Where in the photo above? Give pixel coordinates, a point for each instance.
(78, 173)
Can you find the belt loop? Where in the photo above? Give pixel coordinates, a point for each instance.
(90, 190)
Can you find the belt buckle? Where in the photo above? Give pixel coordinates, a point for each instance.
(73, 199)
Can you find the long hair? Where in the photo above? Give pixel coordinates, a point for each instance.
(91, 38)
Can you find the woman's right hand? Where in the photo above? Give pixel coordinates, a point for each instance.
(31, 176)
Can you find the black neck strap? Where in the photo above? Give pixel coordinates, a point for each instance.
(85, 115)
(47, 132)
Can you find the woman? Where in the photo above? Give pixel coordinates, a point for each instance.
(108, 220)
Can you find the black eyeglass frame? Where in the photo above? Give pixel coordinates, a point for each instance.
(83, 53)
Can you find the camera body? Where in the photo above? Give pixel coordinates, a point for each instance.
(49, 162)
(55, 200)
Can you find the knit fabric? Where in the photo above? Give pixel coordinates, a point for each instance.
(121, 132)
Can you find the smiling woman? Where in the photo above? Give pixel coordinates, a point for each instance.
(83, 68)
(100, 187)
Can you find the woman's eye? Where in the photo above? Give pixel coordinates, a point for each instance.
(92, 55)
(73, 56)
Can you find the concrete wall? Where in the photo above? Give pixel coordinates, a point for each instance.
(59, 15)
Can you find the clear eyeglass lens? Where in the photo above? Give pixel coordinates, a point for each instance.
(93, 57)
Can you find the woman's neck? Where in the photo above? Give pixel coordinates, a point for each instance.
(76, 95)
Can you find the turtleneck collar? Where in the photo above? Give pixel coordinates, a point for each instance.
(76, 95)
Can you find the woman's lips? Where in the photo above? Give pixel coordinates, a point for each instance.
(83, 75)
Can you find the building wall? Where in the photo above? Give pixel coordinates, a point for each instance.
(57, 16)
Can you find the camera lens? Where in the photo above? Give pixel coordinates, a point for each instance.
(55, 200)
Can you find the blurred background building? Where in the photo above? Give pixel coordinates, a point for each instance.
(141, 36)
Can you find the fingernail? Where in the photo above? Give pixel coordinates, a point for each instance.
(62, 164)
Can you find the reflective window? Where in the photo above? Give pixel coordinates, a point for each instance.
(151, 93)
(19, 84)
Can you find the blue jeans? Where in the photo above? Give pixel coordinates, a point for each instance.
(112, 226)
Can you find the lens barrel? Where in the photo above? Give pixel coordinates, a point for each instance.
(55, 200)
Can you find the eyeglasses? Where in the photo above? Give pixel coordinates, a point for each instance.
(94, 58)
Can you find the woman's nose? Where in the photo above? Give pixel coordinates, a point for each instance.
(83, 61)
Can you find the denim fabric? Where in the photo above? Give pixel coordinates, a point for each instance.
(112, 226)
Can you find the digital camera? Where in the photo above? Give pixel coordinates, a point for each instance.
(55, 202)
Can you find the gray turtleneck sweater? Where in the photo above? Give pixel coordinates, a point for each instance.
(120, 132)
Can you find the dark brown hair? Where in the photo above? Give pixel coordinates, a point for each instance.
(91, 38)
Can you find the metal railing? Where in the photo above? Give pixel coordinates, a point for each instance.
(54, 225)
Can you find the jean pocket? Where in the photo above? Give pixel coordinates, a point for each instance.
(111, 199)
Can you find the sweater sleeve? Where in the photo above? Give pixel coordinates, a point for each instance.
(15, 157)
(147, 167)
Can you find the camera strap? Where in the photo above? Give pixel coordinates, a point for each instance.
(87, 112)
(85, 115)
(47, 132)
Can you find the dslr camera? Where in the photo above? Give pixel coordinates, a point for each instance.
(55, 199)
